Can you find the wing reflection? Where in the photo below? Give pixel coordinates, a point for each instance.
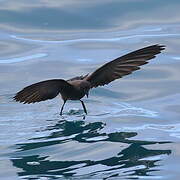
(136, 159)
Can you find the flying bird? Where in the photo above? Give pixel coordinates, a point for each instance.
(77, 87)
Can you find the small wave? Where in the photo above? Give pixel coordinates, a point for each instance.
(95, 39)
(75, 112)
(125, 109)
(20, 59)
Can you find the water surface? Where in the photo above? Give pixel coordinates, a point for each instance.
(132, 129)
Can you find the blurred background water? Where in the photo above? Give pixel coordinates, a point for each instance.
(132, 130)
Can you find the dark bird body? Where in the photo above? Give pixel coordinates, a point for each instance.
(77, 87)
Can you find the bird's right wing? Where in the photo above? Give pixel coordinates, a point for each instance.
(123, 65)
(42, 91)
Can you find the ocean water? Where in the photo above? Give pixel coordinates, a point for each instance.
(132, 130)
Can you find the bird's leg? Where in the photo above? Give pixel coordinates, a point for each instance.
(62, 107)
(84, 107)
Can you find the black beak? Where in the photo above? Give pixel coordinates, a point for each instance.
(87, 94)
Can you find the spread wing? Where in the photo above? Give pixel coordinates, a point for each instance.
(42, 91)
(123, 65)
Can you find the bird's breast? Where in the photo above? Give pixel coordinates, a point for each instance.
(74, 94)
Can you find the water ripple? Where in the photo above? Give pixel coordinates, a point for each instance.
(20, 59)
(95, 39)
(89, 158)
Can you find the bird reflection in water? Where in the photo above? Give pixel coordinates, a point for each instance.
(133, 161)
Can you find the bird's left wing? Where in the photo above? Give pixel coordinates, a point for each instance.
(43, 90)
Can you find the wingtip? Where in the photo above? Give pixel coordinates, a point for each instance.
(161, 47)
(15, 98)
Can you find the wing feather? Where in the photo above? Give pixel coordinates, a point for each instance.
(123, 65)
(43, 90)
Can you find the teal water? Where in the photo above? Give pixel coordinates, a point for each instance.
(132, 130)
